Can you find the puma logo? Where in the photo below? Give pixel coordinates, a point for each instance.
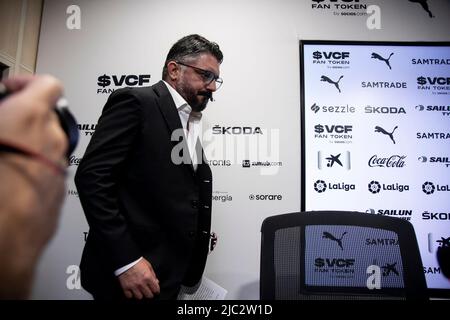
(336, 83)
(424, 4)
(391, 135)
(377, 56)
(327, 235)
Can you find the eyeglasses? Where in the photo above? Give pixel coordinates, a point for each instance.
(11, 148)
(207, 75)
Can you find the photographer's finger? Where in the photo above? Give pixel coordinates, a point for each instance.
(44, 88)
(18, 82)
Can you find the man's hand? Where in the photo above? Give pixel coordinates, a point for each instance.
(139, 281)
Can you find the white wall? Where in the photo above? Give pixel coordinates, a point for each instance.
(260, 41)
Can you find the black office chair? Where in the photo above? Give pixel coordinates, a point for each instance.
(339, 255)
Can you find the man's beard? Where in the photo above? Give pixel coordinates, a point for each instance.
(197, 102)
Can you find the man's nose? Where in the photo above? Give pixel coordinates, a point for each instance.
(212, 86)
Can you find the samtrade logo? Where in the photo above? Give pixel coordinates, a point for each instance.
(382, 242)
(270, 197)
(428, 187)
(374, 186)
(444, 109)
(390, 269)
(424, 4)
(431, 61)
(389, 134)
(320, 186)
(384, 85)
(433, 135)
(386, 60)
(336, 83)
(131, 80)
(329, 236)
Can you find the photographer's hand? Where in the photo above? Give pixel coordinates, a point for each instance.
(31, 193)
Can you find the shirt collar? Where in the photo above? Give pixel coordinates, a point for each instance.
(180, 103)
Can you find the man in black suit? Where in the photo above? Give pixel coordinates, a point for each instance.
(144, 185)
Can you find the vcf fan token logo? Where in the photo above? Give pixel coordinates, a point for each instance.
(374, 187)
(320, 186)
(336, 83)
(386, 60)
(329, 236)
(428, 187)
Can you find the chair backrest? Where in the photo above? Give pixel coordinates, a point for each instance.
(339, 255)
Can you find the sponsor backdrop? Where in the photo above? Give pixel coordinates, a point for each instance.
(378, 140)
(252, 130)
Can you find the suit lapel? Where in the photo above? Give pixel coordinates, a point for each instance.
(172, 118)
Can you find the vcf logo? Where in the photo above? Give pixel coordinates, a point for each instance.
(327, 235)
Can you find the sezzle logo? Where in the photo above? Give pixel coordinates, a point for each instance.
(444, 109)
(270, 197)
(336, 83)
(334, 160)
(236, 130)
(327, 235)
(321, 186)
(394, 161)
(376, 187)
(440, 160)
(383, 85)
(338, 133)
(440, 85)
(402, 214)
(435, 215)
(335, 60)
(431, 61)
(384, 110)
(87, 128)
(131, 80)
(429, 188)
(333, 109)
(221, 196)
(74, 161)
(433, 135)
(383, 131)
(386, 60)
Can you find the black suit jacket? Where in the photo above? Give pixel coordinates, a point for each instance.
(137, 201)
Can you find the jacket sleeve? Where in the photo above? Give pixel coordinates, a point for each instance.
(97, 180)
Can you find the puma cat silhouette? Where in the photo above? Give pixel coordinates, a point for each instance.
(377, 56)
(336, 83)
(327, 235)
(381, 130)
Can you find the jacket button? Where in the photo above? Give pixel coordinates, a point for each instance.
(194, 204)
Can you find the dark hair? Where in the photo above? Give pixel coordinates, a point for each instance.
(191, 46)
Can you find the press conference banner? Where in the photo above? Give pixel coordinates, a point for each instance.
(376, 133)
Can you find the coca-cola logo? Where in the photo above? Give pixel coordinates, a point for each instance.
(394, 161)
(74, 161)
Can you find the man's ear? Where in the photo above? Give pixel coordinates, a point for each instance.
(173, 70)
